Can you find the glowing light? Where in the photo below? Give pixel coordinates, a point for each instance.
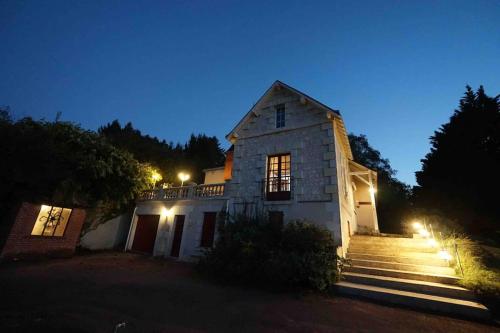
(372, 190)
(417, 225)
(432, 242)
(183, 177)
(443, 254)
(166, 212)
(423, 233)
(155, 176)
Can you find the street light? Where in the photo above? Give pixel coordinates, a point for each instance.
(183, 177)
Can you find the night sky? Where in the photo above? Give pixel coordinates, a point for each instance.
(394, 69)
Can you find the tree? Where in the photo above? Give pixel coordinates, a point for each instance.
(62, 164)
(458, 175)
(202, 152)
(199, 153)
(392, 197)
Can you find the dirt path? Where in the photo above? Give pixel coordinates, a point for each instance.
(93, 293)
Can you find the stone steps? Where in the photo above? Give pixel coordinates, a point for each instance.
(421, 301)
(408, 272)
(448, 279)
(438, 270)
(389, 249)
(408, 258)
(431, 288)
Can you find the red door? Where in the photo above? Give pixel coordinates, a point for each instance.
(145, 233)
(208, 229)
(176, 243)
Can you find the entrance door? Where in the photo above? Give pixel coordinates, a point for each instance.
(176, 243)
(145, 233)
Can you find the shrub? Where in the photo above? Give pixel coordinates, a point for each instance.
(253, 250)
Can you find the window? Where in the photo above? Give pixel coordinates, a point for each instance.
(278, 182)
(51, 221)
(208, 230)
(280, 115)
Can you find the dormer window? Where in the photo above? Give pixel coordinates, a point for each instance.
(280, 115)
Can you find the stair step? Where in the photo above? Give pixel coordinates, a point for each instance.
(415, 259)
(404, 267)
(384, 240)
(447, 279)
(415, 300)
(389, 249)
(431, 288)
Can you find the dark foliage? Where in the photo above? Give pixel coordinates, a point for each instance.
(254, 251)
(199, 153)
(456, 176)
(60, 163)
(392, 196)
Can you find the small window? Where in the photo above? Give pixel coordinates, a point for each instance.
(280, 115)
(51, 221)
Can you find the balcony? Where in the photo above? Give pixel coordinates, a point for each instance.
(277, 188)
(197, 192)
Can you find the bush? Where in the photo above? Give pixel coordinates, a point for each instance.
(255, 251)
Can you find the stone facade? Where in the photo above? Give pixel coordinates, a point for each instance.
(322, 188)
(309, 137)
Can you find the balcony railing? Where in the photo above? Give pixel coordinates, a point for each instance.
(184, 192)
(277, 188)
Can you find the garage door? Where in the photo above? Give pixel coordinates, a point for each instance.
(145, 233)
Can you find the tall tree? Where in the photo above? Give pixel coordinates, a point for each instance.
(199, 153)
(202, 152)
(459, 174)
(62, 164)
(392, 197)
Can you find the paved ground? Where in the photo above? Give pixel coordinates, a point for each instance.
(93, 293)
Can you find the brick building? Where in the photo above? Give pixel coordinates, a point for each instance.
(41, 230)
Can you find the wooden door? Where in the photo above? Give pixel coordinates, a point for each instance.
(176, 242)
(208, 229)
(145, 233)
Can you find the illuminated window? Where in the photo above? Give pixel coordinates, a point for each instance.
(51, 221)
(278, 177)
(280, 115)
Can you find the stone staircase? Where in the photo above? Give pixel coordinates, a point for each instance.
(406, 272)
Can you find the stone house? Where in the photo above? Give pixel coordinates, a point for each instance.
(290, 158)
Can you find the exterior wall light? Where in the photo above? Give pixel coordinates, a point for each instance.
(183, 177)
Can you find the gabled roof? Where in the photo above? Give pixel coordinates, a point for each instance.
(277, 83)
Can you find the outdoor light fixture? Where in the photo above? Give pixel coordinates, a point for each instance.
(166, 212)
(443, 254)
(372, 190)
(183, 177)
(417, 225)
(423, 233)
(432, 242)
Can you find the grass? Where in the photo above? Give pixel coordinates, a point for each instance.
(480, 265)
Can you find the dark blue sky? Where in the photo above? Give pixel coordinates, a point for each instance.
(395, 69)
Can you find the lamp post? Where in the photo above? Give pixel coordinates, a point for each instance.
(183, 177)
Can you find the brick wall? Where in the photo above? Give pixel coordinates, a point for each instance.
(20, 243)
